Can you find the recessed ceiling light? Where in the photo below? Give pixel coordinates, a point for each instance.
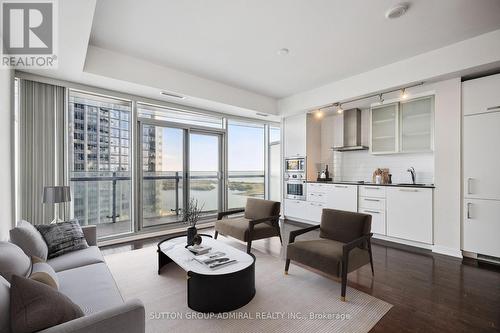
(169, 94)
(397, 10)
(284, 51)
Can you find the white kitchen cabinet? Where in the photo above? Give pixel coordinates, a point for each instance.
(314, 211)
(409, 213)
(296, 209)
(482, 226)
(384, 129)
(378, 220)
(481, 162)
(481, 95)
(342, 197)
(295, 135)
(416, 122)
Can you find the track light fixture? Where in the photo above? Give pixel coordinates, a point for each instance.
(380, 95)
(404, 95)
(339, 108)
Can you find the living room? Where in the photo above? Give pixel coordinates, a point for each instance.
(177, 166)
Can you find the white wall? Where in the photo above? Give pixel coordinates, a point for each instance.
(6, 97)
(360, 165)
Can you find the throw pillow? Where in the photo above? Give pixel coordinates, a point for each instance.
(13, 261)
(44, 273)
(35, 306)
(29, 240)
(4, 305)
(63, 237)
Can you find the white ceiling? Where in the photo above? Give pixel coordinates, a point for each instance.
(236, 41)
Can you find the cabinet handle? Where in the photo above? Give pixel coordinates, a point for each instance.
(375, 200)
(372, 188)
(372, 211)
(469, 180)
(493, 108)
(339, 186)
(408, 190)
(468, 210)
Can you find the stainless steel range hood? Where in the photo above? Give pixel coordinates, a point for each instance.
(350, 138)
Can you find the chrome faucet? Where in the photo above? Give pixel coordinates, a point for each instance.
(411, 170)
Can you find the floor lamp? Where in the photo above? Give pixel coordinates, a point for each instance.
(55, 195)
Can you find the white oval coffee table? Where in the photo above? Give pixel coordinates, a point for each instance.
(221, 290)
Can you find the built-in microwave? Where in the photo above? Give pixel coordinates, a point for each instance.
(296, 164)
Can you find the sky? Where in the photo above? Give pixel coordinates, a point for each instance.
(245, 149)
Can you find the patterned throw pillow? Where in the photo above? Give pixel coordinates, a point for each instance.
(63, 237)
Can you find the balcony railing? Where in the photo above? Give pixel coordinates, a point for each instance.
(105, 197)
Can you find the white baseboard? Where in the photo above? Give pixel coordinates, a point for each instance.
(457, 253)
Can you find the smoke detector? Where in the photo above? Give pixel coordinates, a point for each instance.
(397, 10)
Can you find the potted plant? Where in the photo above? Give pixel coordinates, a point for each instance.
(190, 216)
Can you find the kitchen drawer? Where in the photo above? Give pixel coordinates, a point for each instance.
(378, 220)
(316, 187)
(372, 191)
(372, 203)
(316, 197)
(314, 211)
(296, 209)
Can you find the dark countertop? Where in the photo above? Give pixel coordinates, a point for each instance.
(362, 183)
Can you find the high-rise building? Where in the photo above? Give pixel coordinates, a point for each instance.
(100, 142)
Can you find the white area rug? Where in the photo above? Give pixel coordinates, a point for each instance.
(281, 304)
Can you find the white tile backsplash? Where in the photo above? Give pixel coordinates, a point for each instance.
(360, 165)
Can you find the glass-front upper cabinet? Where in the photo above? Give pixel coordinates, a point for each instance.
(384, 128)
(417, 124)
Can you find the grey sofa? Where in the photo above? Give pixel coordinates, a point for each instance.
(85, 278)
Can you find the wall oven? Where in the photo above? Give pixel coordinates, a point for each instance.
(296, 186)
(295, 164)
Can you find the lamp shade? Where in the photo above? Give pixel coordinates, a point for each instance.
(56, 194)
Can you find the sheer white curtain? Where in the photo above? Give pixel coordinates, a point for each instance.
(41, 147)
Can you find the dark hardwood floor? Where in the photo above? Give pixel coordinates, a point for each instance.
(429, 292)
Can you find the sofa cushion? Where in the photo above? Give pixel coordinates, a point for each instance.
(63, 237)
(4, 305)
(87, 256)
(44, 273)
(35, 306)
(259, 209)
(13, 261)
(238, 228)
(92, 287)
(29, 239)
(326, 255)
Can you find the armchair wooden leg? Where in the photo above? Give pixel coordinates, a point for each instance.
(371, 256)
(216, 234)
(344, 280)
(287, 265)
(249, 246)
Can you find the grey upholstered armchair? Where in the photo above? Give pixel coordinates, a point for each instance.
(343, 247)
(261, 220)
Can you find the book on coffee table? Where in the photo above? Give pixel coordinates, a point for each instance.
(215, 260)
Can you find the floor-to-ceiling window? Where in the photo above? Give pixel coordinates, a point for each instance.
(100, 162)
(246, 162)
(132, 166)
(182, 158)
